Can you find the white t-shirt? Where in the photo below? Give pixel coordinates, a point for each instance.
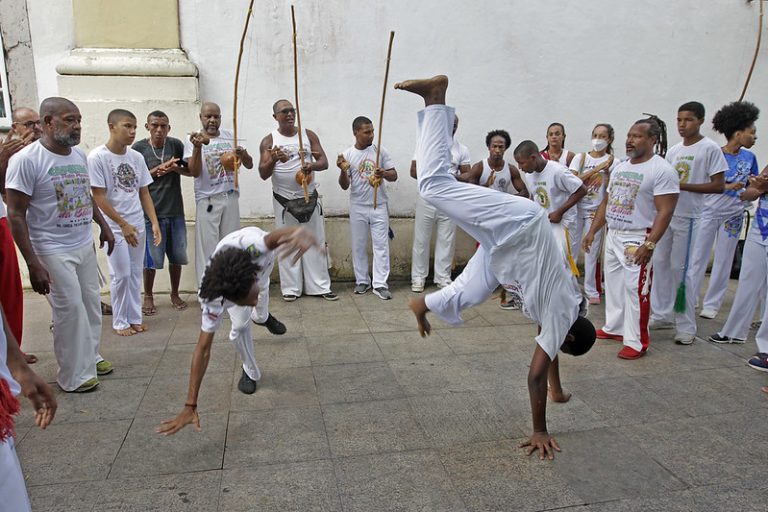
(631, 191)
(5, 372)
(122, 176)
(695, 164)
(250, 239)
(502, 179)
(459, 156)
(595, 185)
(284, 176)
(60, 208)
(214, 178)
(362, 164)
(2, 209)
(552, 187)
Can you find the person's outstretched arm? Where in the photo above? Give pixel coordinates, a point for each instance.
(537, 389)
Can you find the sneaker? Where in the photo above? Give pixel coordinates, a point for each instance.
(441, 284)
(683, 338)
(383, 293)
(273, 325)
(86, 386)
(658, 325)
(289, 297)
(362, 288)
(630, 353)
(602, 335)
(708, 313)
(509, 305)
(417, 286)
(330, 296)
(759, 362)
(246, 385)
(594, 301)
(717, 338)
(104, 367)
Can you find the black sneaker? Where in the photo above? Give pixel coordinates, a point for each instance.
(717, 338)
(273, 325)
(246, 385)
(330, 296)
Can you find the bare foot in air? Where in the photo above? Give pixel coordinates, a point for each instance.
(125, 332)
(561, 396)
(139, 327)
(420, 309)
(431, 89)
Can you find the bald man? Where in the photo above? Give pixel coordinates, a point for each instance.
(25, 129)
(216, 196)
(50, 210)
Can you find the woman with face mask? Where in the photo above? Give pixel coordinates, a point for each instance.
(593, 168)
(555, 148)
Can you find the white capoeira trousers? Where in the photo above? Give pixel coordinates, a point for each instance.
(76, 307)
(212, 226)
(427, 216)
(240, 333)
(668, 264)
(13, 490)
(627, 289)
(365, 220)
(591, 258)
(126, 266)
(310, 274)
(753, 283)
(726, 229)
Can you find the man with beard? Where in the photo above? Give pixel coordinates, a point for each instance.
(50, 210)
(216, 196)
(25, 129)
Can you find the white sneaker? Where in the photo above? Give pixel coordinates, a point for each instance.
(442, 284)
(708, 313)
(417, 286)
(683, 338)
(657, 325)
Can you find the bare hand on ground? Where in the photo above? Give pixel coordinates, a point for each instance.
(184, 418)
(544, 443)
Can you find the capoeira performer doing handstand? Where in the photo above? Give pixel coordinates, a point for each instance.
(237, 279)
(516, 244)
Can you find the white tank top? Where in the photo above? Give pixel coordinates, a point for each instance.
(284, 176)
(563, 157)
(502, 179)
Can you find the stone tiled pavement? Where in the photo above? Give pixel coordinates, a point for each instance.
(356, 413)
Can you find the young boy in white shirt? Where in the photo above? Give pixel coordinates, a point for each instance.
(359, 171)
(119, 181)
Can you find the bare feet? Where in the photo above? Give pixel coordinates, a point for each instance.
(125, 332)
(177, 302)
(561, 396)
(431, 89)
(764, 389)
(30, 358)
(420, 309)
(139, 327)
(149, 309)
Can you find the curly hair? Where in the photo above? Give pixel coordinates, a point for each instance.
(230, 274)
(735, 117)
(498, 133)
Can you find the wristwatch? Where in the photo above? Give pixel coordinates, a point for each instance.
(649, 245)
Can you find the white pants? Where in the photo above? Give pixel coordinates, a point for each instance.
(751, 291)
(309, 275)
(13, 490)
(365, 219)
(126, 266)
(591, 258)
(445, 244)
(76, 307)
(627, 289)
(727, 229)
(668, 264)
(240, 333)
(212, 226)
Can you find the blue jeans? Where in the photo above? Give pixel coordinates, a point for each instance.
(174, 243)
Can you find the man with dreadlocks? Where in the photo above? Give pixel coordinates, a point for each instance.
(700, 166)
(641, 197)
(237, 279)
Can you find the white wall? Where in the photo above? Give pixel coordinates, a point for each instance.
(516, 65)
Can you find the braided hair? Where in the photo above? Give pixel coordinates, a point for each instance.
(230, 274)
(656, 128)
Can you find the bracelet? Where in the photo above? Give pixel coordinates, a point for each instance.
(193, 406)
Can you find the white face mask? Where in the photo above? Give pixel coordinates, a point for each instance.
(599, 144)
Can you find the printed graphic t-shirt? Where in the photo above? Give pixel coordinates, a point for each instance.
(695, 164)
(122, 176)
(60, 208)
(740, 167)
(362, 164)
(631, 192)
(214, 178)
(595, 185)
(552, 187)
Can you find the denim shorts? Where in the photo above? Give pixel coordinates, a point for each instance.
(174, 243)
